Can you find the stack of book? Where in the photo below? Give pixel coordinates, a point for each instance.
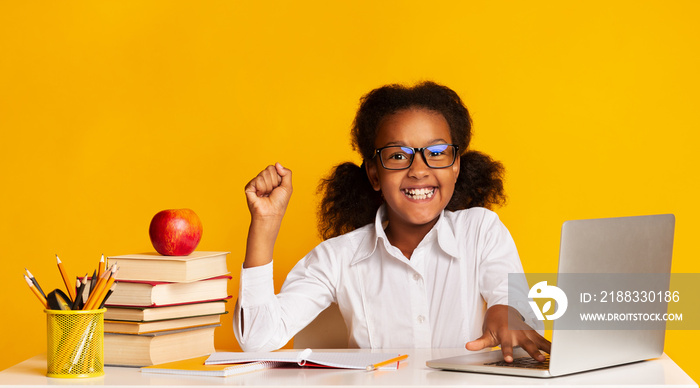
(164, 308)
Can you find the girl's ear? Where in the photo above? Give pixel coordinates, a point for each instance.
(371, 169)
(456, 166)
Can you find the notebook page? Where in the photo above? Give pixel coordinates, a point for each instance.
(196, 367)
(212, 370)
(347, 360)
(240, 357)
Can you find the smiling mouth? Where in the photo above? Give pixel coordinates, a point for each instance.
(423, 193)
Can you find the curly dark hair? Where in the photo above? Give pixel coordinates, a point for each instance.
(349, 201)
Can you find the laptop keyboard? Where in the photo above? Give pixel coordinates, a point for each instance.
(523, 362)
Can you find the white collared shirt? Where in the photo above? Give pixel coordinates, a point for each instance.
(437, 299)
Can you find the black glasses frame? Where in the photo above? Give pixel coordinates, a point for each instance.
(416, 150)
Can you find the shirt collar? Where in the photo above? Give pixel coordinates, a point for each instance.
(445, 236)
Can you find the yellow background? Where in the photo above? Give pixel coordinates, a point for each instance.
(113, 110)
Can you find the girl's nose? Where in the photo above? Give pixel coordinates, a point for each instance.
(418, 168)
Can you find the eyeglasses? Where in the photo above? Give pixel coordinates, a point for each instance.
(401, 157)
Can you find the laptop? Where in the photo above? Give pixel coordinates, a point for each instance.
(640, 245)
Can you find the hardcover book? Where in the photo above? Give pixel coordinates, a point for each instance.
(153, 266)
(128, 327)
(159, 347)
(152, 293)
(147, 314)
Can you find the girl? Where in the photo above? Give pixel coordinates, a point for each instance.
(411, 256)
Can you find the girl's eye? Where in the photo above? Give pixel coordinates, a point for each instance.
(398, 153)
(398, 156)
(437, 150)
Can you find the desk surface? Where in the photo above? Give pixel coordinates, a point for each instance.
(661, 372)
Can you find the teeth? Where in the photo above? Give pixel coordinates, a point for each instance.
(420, 193)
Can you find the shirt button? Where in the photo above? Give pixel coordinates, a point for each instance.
(421, 319)
(416, 277)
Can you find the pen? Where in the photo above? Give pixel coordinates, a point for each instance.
(66, 281)
(36, 283)
(36, 292)
(387, 362)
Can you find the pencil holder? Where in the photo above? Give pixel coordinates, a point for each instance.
(75, 343)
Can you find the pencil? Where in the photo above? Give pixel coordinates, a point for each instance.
(96, 291)
(76, 303)
(66, 280)
(102, 292)
(109, 293)
(36, 292)
(93, 281)
(101, 266)
(36, 283)
(79, 294)
(387, 362)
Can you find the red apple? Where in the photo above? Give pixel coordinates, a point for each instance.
(175, 232)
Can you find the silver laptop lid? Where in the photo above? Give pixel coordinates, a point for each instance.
(624, 245)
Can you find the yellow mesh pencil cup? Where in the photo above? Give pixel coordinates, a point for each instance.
(75, 343)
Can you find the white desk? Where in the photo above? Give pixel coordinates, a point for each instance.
(661, 372)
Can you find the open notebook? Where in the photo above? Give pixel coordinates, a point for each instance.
(307, 357)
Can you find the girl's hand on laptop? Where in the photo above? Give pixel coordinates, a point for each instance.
(497, 332)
